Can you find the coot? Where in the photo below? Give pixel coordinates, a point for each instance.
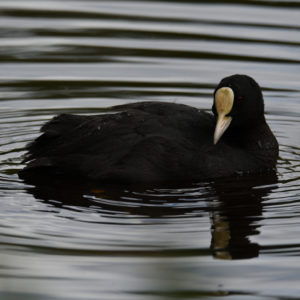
(156, 141)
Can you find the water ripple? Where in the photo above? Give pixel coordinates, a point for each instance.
(61, 240)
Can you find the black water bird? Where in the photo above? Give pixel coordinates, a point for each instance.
(160, 142)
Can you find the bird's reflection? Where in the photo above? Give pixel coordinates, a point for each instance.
(235, 205)
(237, 215)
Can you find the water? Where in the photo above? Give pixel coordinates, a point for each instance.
(236, 239)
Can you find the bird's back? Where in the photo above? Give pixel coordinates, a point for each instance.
(136, 142)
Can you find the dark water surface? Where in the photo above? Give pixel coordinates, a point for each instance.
(232, 239)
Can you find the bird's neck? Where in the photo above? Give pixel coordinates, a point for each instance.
(258, 140)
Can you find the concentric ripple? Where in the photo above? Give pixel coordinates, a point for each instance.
(235, 237)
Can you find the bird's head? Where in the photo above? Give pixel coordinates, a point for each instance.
(238, 103)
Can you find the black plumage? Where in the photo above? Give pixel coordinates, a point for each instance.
(156, 141)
